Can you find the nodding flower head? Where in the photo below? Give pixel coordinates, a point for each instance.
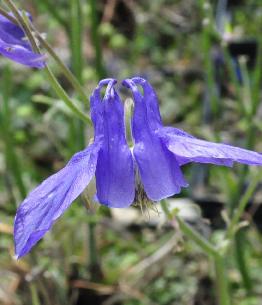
(15, 45)
(150, 172)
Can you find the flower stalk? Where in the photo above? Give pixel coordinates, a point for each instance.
(100, 70)
(209, 249)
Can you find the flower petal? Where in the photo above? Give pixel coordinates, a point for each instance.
(11, 33)
(115, 176)
(22, 55)
(189, 149)
(159, 170)
(47, 202)
(151, 102)
(15, 46)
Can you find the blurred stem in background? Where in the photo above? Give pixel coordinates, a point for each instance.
(96, 40)
(76, 39)
(56, 13)
(212, 106)
(76, 128)
(251, 103)
(12, 161)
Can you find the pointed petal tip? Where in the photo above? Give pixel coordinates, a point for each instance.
(187, 149)
(139, 80)
(46, 203)
(126, 82)
(106, 81)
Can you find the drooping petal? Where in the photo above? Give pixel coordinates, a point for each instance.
(115, 177)
(47, 202)
(159, 170)
(12, 33)
(22, 55)
(189, 149)
(15, 46)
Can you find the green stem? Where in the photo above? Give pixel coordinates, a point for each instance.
(76, 25)
(34, 294)
(6, 127)
(68, 74)
(63, 95)
(240, 246)
(49, 5)
(208, 65)
(76, 38)
(100, 70)
(221, 281)
(208, 248)
(205, 245)
(239, 238)
(241, 207)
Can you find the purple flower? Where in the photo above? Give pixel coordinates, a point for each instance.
(109, 158)
(15, 46)
(155, 160)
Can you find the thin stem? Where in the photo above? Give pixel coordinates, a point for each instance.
(242, 205)
(76, 38)
(11, 157)
(100, 70)
(34, 294)
(76, 26)
(68, 74)
(221, 281)
(208, 248)
(55, 13)
(240, 245)
(239, 238)
(63, 95)
(205, 245)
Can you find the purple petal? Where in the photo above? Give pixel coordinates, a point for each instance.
(115, 177)
(15, 46)
(151, 102)
(189, 149)
(47, 202)
(159, 170)
(11, 33)
(12, 28)
(22, 55)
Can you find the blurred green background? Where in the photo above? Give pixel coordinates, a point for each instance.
(204, 60)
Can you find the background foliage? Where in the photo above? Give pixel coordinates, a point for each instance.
(98, 256)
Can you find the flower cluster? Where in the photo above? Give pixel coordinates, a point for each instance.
(15, 46)
(156, 158)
